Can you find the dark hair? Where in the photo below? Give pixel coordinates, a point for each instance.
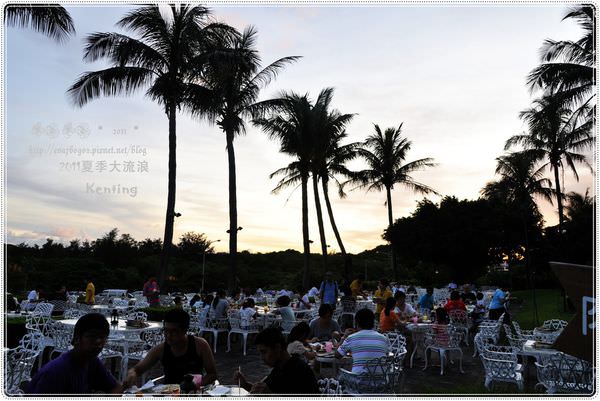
(441, 316)
(480, 295)
(430, 290)
(177, 300)
(399, 294)
(194, 299)
(390, 303)
(365, 319)
(454, 296)
(91, 322)
(270, 337)
(178, 316)
(324, 310)
(299, 332)
(208, 299)
(215, 302)
(248, 303)
(384, 281)
(283, 300)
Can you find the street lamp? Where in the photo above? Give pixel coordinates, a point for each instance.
(204, 261)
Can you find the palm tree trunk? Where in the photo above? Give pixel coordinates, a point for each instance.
(347, 261)
(331, 219)
(558, 201)
(390, 220)
(233, 225)
(315, 180)
(305, 239)
(170, 217)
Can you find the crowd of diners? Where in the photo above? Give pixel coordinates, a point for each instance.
(80, 371)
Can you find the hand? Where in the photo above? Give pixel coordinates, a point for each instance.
(131, 378)
(258, 388)
(239, 376)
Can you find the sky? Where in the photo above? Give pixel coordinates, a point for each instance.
(453, 75)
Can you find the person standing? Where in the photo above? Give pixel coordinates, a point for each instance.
(356, 286)
(426, 301)
(497, 306)
(151, 291)
(381, 295)
(90, 292)
(329, 290)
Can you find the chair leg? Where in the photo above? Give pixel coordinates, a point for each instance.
(245, 335)
(442, 361)
(487, 383)
(228, 342)
(426, 359)
(460, 361)
(215, 338)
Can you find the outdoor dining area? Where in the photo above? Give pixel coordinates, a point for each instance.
(421, 346)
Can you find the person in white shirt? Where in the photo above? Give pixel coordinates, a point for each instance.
(313, 292)
(304, 302)
(248, 313)
(403, 310)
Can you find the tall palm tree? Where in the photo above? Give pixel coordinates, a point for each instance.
(51, 20)
(326, 128)
(235, 79)
(520, 182)
(569, 67)
(158, 60)
(385, 153)
(556, 137)
(291, 126)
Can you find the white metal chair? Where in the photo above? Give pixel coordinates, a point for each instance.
(137, 315)
(43, 308)
(555, 324)
(438, 343)
(73, 313)
(381, 376)
(526, 334)
(349, 307)
(501, 370)
(215, 326)
(236, 328)
(460, 321)
(329, 387)
(18, 364)
(562, 373)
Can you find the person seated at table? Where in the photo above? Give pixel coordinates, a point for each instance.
(79, 371)
(411, 289)
(381, 295)
(403, 309)
(440, 327)
(467, 294)
(288, 320)
(206, 302)
(478, 313)
(290, 375)
(324, 328)
(195, 301)
(388, 320)
(455, 302)
(220, 305)
(297, 342)
(365, 344)
(303, 301)
(177, 302)
(248, 312)
(179, 354)
(426, 301)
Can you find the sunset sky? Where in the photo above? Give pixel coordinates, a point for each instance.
(454, 75)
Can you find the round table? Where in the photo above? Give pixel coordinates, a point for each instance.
(418, 331)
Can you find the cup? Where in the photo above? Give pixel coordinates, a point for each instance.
(328, 346)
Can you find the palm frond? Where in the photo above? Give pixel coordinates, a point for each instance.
(51, 20)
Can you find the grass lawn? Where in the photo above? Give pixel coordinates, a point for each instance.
(550, 306)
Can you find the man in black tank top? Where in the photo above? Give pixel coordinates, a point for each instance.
(179, 354)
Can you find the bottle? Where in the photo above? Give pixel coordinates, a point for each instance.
(187, 386)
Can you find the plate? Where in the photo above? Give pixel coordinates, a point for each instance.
(167, 389)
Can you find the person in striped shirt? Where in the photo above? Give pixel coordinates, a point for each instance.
(365, 344)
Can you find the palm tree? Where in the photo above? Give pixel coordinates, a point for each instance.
(51, 20)
(291, 126)
(556, 137)
(569, 67)
(327, 125)
(520, 182)
(159, 61)
(235, 79)
(385, 153)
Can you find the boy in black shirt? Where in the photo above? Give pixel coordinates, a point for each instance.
(290, 375)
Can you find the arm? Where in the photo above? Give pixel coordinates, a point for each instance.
(144, 365)
(244, 383)
(208, 359)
